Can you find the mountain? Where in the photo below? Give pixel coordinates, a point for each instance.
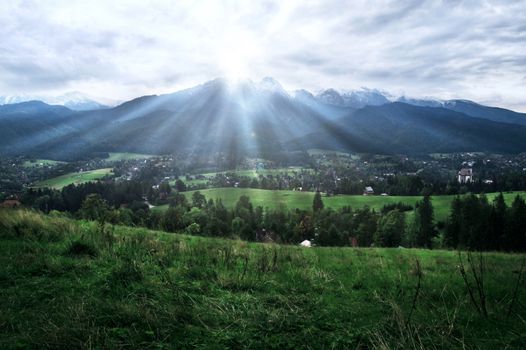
(420, 102)
(259, 118)
(491, 113)
(75, 100)
(26, 126)
(353, 98)
(471, 109)
(213, 117)
(402, 128)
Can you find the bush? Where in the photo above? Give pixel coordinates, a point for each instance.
(79, 248)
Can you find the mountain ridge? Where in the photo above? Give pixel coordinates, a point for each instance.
(258, 117)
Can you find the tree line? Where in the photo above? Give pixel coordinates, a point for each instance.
(473, 223)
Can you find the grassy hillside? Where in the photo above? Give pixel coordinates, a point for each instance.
(41, 163)
(116, 156)
(252, 173)
(303, 200)
(74, 178)
(67, 284)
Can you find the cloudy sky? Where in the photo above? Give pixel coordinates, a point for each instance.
(121, 49)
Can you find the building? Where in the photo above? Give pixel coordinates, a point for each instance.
(465, 175)
(368, 191)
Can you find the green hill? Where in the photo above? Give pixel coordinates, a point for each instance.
(75, 284)
(303, 200)
(75, 178)
(116, 156)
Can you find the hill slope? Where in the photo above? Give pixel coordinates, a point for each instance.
(65, 283)
(402, 128)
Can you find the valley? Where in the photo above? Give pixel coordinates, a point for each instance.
(263, 175)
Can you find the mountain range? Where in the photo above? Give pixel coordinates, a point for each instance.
(74, 100)
(263, 118)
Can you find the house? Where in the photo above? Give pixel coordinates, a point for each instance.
(465, 175)
(10, 203)
(368, 191)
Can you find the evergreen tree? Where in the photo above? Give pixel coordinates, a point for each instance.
(425, 229)
(470, 232)
(317, 203)
(180, 185)
(329, 237)
(516, 230)
(364, 225)
(454, 226)
(482, 241)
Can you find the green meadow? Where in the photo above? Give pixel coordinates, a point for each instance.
(79, 284)
(75, 178)
(41, 163)
(117, 156)
(252, 173)
(303, 200)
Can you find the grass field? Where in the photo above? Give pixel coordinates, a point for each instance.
(116, 156)
(303, 200)
(319, 152)
(41, 162)
(252, 173)
(69, 284)
(75, 178)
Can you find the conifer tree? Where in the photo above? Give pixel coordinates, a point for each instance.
(317, 203)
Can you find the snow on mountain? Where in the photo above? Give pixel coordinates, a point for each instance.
(353, 98)
(272, 85)
(73, 100)
(331, 97)
(426, 102)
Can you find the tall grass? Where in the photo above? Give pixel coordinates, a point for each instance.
(77, 284)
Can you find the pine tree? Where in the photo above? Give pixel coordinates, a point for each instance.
(317, 203)
(497, 223)
(516, 230)
(425, 226)
(451, 236)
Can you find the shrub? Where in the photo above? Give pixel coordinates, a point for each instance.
(79, 248)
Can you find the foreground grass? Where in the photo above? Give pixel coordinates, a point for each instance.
(303, 200)
(67, 284)
(74, 178)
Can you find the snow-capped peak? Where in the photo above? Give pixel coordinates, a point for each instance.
(74, 100)
(272, 85)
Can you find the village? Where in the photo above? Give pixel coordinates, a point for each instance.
(329, 172)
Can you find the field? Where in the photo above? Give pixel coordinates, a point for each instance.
(252, 173)
(41, 162)
(303, 200)
(75, 178)
(320, 152)
(116, 156)
(73, 284)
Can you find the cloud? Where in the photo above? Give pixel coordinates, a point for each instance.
(447, 49)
